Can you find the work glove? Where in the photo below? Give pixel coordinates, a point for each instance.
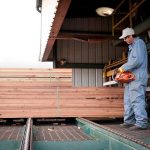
(121, 70)
(117, 71)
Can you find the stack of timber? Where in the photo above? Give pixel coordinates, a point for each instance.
(44, 93)
(35, 77)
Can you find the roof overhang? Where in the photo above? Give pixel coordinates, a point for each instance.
(56, 14)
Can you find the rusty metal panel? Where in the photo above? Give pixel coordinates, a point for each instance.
(80, 52)
(92, 53)
(87, 24)
(105, 48)
(91, 24)
(85, 53)
(111, 51)
(65, 50)
(62, 50)
(105, 24)
(105, 52)
(97, 24)
(84, 24)
(78, 48)
(99, 53)
(71, 51)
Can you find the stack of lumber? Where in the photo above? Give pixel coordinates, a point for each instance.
(35, 77)
(39, 93)
(101, 102)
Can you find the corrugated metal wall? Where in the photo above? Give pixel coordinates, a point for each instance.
(87, 77)
(84, 52)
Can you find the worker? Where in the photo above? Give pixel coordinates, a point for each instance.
(135, 114)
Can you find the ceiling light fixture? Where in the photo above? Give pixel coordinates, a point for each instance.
(104, 11)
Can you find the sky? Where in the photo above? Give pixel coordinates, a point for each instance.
(20, 29)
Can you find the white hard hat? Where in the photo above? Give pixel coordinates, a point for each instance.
(126, 32)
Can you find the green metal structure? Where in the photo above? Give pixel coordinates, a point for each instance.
(101, 140)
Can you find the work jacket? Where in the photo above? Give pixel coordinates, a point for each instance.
(137, 61)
